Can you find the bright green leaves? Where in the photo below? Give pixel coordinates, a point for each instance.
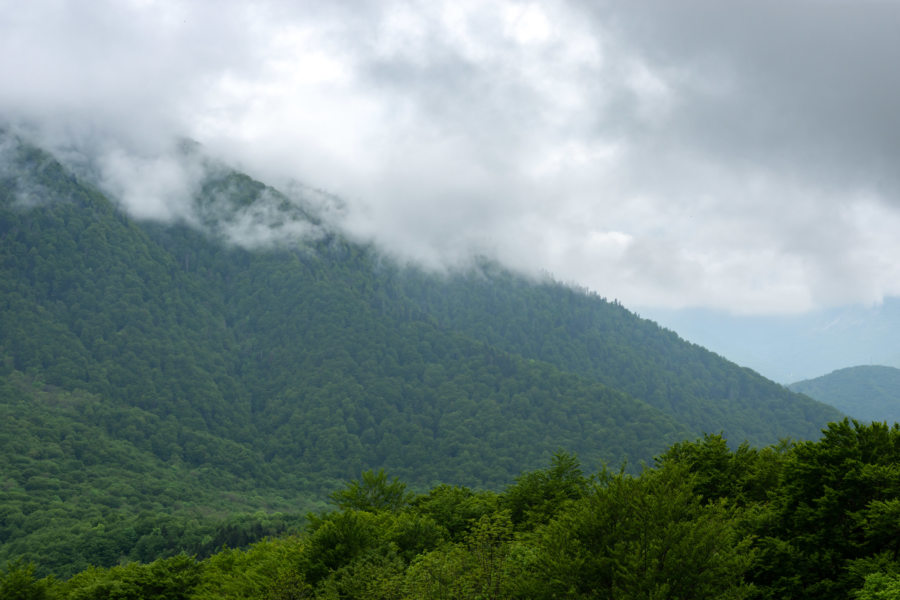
(267, 570)
(17, 582)
(643, 537)
(484, 566)
(880, 586)
(813, 520)
(165, 579)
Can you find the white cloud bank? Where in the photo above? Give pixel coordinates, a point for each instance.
(737, 155)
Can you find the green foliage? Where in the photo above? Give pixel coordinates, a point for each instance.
(613, 535)
(77, 493)
(267, 569)
(17, 582)
(825, 515)
(165, 579)
(745, 475)
(879, 586)
(155, 378)
(440, 574)
(646, 537)
(580, 332)
(455, 508)
(489, 546)
(373, 492)
(340, 539)
(482, 567)
(867, 393)
(835, 510)
(538, 496)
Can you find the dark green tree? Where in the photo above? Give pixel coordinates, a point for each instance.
(834, 514)
(373, 492)
(539, 495)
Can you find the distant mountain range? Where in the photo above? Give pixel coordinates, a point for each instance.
(866, 393)
(250, 358)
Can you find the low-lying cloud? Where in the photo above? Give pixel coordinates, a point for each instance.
(733, 155)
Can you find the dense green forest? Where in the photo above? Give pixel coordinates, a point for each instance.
(868, 393)
(816, 519)
(165, 390)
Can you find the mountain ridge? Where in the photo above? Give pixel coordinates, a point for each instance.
(865, 392)
(296, 365)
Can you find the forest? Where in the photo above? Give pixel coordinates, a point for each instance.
(866, 393)
(181, 410)
(815, 519)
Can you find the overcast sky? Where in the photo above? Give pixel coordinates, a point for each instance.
(738, 155)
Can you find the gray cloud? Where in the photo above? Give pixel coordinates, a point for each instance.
(807, 84)
(734, 155)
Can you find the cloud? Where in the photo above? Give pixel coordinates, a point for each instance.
(738, 156)
(159, 187)
(800, 85)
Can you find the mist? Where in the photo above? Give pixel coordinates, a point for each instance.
(738, 158)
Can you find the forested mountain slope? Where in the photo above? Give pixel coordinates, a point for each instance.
(867, 393)
(582, 333)
(82, 483)
(288, 367)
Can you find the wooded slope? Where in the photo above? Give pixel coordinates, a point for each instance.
(289, 367)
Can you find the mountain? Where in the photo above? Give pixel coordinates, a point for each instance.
(251, 358)
(866, 393)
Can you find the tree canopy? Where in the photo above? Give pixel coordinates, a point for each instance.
(826, 527)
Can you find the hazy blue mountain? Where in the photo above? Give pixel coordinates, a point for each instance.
(866, 393)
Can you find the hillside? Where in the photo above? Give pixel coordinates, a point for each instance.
(262, 375)
(582, 333)
(812, 519)
(82, 485)
(866, 393)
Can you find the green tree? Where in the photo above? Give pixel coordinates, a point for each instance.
(164, 579)
(481, 567)
(746, 475)
(17, 582)
(339, 539)
(834, 514)
(373, 492)
(879, 586)
(642, 537)
(539, 495)
(455, 508)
